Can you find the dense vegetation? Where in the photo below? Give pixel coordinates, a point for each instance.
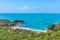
(53, 32)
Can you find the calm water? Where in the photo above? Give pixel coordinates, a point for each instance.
(34, 21)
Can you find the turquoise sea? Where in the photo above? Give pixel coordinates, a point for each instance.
(34, 21)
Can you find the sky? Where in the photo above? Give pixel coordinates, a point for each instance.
(29, 6)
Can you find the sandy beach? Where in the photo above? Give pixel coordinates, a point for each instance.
(32, 29)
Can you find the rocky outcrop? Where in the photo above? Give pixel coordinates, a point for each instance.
(7, 24)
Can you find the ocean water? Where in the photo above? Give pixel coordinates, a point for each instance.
(34, 21)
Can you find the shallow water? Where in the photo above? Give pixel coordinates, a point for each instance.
(33, 21)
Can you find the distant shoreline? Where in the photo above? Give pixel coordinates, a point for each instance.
(32, 29)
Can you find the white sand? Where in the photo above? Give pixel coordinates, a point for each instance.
(32, 29)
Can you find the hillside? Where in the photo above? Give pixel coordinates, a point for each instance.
(53, 32)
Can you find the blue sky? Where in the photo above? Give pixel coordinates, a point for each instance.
(29, 6)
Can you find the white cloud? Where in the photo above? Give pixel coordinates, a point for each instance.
(24, 8)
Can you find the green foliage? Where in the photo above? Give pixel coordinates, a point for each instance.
(12, 35)
(53, 33)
